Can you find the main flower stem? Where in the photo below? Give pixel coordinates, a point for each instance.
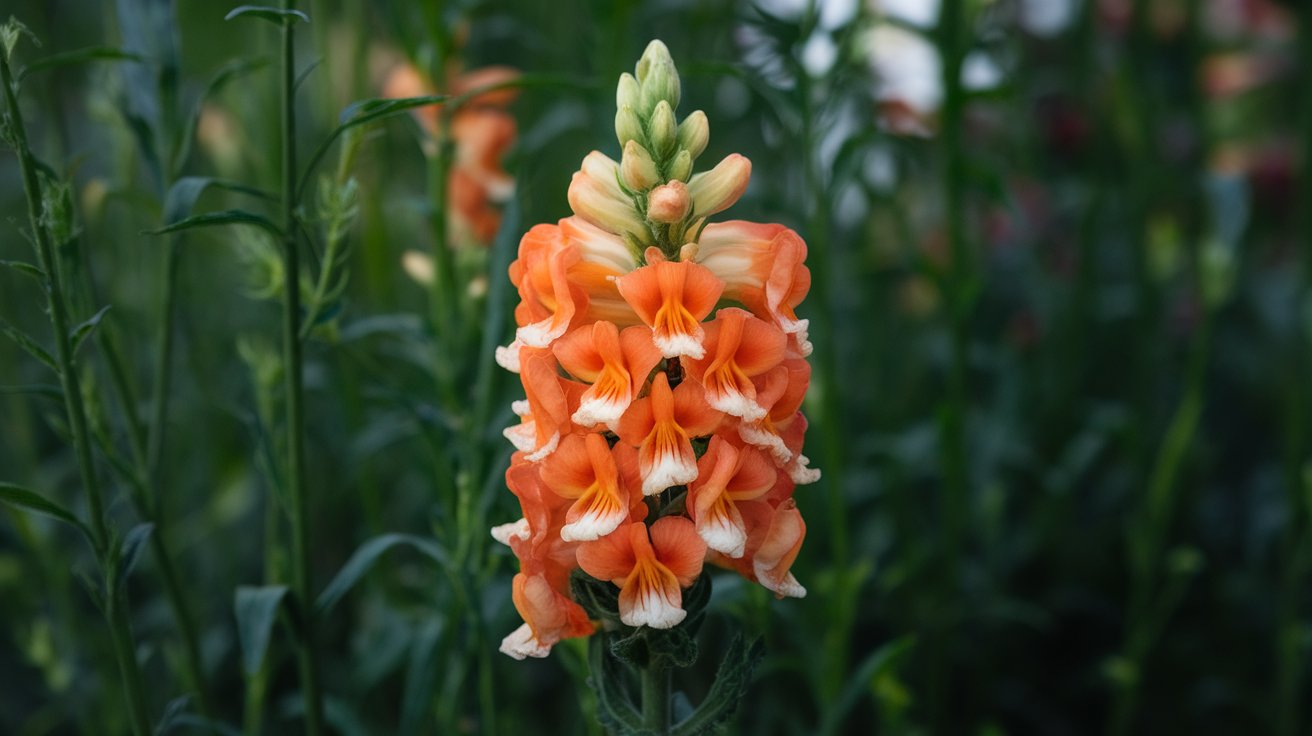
(116, 613)
(656, 699)
(292, 381)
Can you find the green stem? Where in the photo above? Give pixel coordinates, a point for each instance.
(293, 386)
(115, 607)
(656, 699)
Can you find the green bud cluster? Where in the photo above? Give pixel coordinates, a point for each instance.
(657, 148)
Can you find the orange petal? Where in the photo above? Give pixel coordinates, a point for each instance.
(678, 548)
(610, 557)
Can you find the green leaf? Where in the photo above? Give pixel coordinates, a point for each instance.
(881, 661)
(225, 217)
(613, 707)
(228, 72)
(26, 268)
(22, 498)
(278, 16)
(173, 712)
(364, 559)
(731, 682)
(420, 677)
(182, 196)
(82, 331)
(28, 344)
(133, 544)
(77, 56)
(47, 390)
(256, 609)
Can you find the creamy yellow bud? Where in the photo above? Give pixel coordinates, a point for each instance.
(595, 196)
(716, 190)
(637, 169)
(694, 133)
(669, 203)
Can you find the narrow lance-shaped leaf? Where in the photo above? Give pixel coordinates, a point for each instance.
(256, 609)
(225, 217)
(28, 344)
(182, 196)
(731, 681)
(187, 134)
(26, 269)
(77, 56)
(364, 559)
(28, 500)
(277, 16)
(133, 544)
(80, 333)
(884, 659)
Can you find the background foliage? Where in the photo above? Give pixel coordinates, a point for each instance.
(1061, 263)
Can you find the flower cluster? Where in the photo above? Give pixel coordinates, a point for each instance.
(482, 132)
(651, 438)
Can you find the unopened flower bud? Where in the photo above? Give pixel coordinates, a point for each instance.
(694, 133)
(662, 130)
(661, 85)
(627, 93)
(680, 166)
(669, 203)
(627, 126)
(595, 196)
(637, 169)
(716, 190)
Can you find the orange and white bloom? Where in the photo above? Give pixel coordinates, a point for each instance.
(662, 425)
(727, 475)
(672, 298)
(763, 267)
(651, 568)
(615, 363)
(738, 347)
(585, 470)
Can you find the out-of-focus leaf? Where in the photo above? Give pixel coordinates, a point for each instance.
(228, 72)
(277, 16)
(133, 544)
(226, 217)
(27, 343)
(182, 196)
(26, 269)
(172, 713)
(420, 676)
(47, 390)
(256, 608)
(613, 707)
(79, 334)
(22, 498)
(884, 659)
(364, 559)
(77, 56)
(731, 681)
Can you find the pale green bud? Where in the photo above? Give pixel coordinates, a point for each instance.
(655, 53)
(627, 93)
(694, 133)
(628, 127)
(662, 131)
(637, 169)
(1216, 272)
(659, 78)
(680, 167)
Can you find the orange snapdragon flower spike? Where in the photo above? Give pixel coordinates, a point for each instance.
(664, 371)
(482, 132)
